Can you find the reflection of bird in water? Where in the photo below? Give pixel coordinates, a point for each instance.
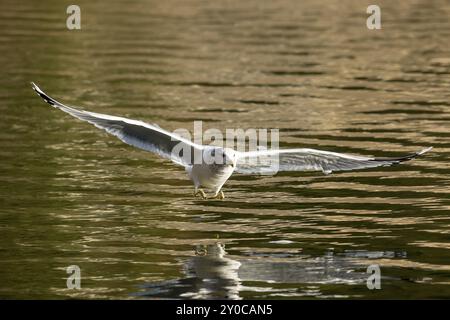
(211, 274)
(209, 166)
(219, 274)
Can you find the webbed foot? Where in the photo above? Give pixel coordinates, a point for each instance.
(201, 193)
(219, 196)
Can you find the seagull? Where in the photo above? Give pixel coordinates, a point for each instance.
(217, 164)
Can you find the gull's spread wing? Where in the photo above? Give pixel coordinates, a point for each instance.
(133, 132)
(272, 161)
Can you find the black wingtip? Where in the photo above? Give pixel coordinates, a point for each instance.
(404, 158)
(42, 94)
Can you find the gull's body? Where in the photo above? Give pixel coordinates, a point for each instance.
(210, 176)
(210, 173)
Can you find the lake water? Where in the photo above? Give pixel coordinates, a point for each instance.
(72, 195)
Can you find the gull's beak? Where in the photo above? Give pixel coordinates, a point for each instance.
(229, 162)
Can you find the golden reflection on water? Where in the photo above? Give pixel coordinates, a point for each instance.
(73, 195)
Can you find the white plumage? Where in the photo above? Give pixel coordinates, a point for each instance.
(211, 173)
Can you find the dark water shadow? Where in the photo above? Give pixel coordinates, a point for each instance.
(212, 274)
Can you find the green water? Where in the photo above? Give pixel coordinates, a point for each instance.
(72, 195)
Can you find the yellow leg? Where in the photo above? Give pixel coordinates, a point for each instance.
(219, 196)
(200, 192)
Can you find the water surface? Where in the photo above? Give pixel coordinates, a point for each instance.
(72, 195)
